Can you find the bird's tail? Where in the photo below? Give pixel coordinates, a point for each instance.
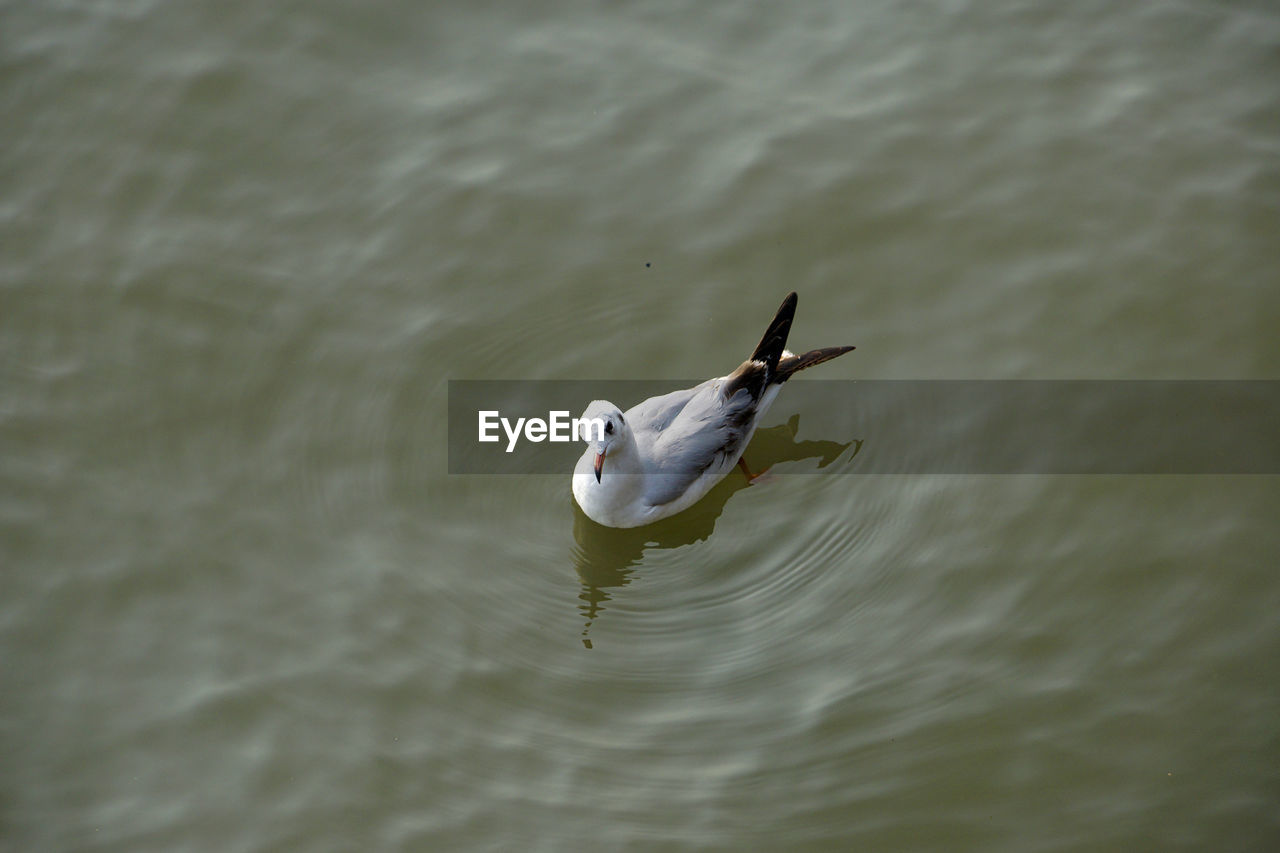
(771, 364)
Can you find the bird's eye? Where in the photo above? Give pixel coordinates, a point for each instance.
(608, 427)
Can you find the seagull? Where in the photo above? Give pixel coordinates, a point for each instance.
(662, 455)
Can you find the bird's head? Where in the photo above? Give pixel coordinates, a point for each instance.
(604, 429)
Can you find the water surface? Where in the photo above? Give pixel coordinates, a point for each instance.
(244, 606)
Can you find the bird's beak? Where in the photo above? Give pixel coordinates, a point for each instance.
(599, 465)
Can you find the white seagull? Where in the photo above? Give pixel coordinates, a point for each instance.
(665, 453)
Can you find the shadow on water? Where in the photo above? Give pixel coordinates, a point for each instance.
(604, 556)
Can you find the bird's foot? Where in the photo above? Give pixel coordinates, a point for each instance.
(752, 479)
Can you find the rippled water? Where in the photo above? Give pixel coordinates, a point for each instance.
(243, 605)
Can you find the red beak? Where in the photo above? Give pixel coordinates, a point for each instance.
(599, 465)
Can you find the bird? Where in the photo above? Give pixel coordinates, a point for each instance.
(664, 454)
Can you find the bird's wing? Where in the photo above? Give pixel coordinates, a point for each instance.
(706, 434)
(654, 415)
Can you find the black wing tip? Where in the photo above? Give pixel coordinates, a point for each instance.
(770, 348)
(794, 364)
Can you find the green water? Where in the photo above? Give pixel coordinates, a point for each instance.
(244, 247)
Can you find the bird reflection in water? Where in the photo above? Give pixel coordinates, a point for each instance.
(604, 556)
